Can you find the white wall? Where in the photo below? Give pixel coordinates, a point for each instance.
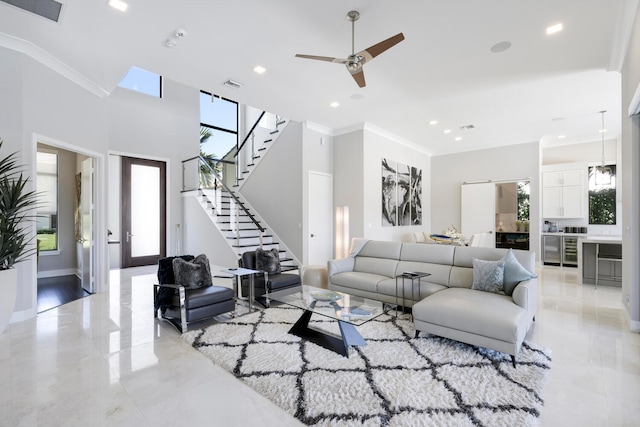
(358, 161)
(631, 183)
(274, 188)
(510, 162)
(317, 156)
(201, 236)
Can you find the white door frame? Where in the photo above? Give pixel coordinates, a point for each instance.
(101, 268)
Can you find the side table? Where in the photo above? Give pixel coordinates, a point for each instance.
(239, 272)
(412, 275)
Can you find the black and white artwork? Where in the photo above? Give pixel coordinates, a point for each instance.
(401, 194)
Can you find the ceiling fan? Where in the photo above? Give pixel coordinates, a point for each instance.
(355, 61)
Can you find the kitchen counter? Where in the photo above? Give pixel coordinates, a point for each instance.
(562, 233)
(610, 265)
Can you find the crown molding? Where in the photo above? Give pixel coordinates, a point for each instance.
(38, 54)
(318, 128)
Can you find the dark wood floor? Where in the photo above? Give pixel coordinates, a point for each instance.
(55, 291)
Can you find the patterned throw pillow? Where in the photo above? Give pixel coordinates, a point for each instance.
(192, 274)
(268, 261)
(488, 276)
(514, 272)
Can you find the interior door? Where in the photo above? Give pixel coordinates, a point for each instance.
(143, 237)
(477, 208)
(87, 208)
(320, 240)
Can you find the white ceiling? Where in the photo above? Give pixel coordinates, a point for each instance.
(443, 70)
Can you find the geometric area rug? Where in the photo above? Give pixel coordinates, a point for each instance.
(395, 380)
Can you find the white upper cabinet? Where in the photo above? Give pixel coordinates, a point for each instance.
(564, 194)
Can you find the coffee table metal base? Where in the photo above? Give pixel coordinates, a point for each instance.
(350, 336)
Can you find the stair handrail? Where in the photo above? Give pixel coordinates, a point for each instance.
(232, 194)
(244, 141)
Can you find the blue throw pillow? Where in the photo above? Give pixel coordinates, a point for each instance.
(514, 272)
(488, 276)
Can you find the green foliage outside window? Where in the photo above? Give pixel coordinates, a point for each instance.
(602, 194)
(523, 201)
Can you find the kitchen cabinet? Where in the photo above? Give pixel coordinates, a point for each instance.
(564, 194)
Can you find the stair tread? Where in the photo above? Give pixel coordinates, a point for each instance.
(248, 237)
(250, 246)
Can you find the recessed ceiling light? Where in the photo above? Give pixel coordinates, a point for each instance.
(561, 136)
(259, 69)
(500, 47)
(433, 122)
(458, 138)
(334, 104)
(602, 130)
(447, 131)
(118, 4)
(556, 28)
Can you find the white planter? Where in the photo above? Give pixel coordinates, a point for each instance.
(8, 291)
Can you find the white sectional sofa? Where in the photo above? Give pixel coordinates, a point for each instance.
(447, 306)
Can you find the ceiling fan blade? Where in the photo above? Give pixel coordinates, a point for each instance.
(358, 76)
(322, 58)
(375, 50)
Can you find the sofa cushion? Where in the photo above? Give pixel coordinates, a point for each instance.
(432, 254)
(488, 276)
(202, 297)
(481, 313)
(380, 266)
(439, 273)
(380, 249)
(358, 280)
(514, 273)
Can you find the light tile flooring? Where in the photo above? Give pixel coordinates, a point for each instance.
(103, 360)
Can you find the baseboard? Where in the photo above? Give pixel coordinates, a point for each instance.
(56, 273)
(20, 316)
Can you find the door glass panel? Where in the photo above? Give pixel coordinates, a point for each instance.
(145, 208)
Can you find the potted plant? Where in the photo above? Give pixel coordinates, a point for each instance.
(16, 209)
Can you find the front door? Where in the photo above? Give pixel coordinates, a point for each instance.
(143, 211)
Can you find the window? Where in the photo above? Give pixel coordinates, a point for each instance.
(219, 126)
(602, 194)
(47, 212)
(142, 81)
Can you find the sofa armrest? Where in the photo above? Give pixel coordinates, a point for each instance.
(340, 265)
(525, 295)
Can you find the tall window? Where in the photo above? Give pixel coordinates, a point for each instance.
(602, 194)
(142, 81)
(219, 126)
(47, 183)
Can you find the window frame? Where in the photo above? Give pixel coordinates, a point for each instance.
(219, 128)
(589, 195)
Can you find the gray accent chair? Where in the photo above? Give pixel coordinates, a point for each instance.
(181, 306)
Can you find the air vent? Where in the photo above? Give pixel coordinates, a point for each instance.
(232, 84)
(49, 9)
(467, 127)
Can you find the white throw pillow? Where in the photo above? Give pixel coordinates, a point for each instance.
(488, 276)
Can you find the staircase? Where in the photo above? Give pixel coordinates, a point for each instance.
(243, 229)
(239, 225)
(249, 160)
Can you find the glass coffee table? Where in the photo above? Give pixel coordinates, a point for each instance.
(349, 310)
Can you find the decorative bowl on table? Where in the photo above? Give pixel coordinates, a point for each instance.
(325, 295)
